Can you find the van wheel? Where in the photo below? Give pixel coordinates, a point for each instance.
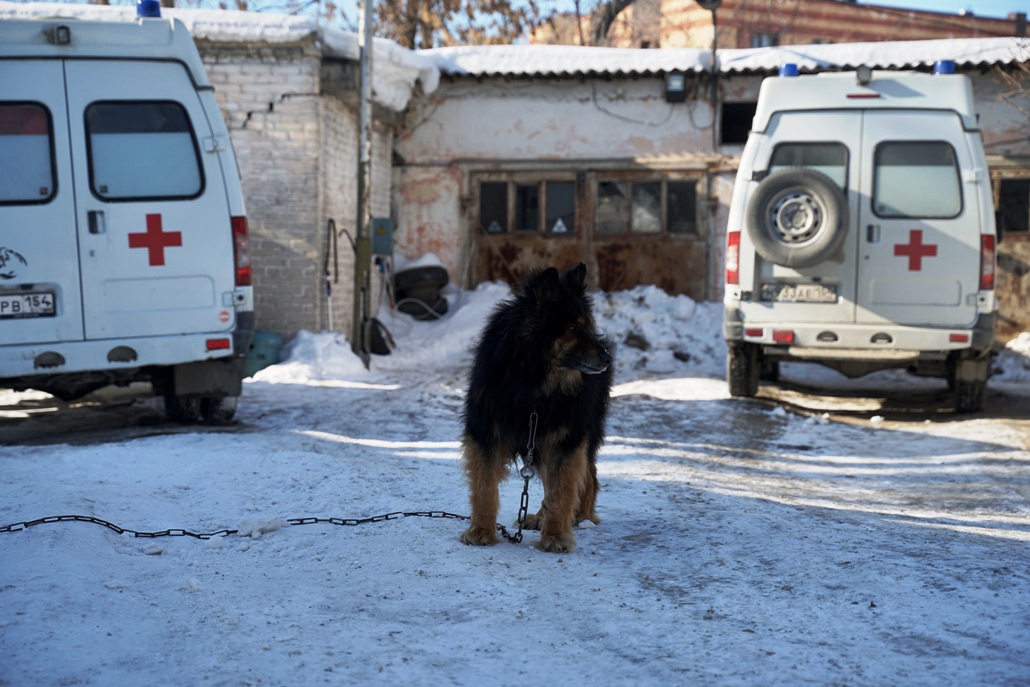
(968, 380)
(797, 217)
(742, 370)
(970, 397)
(218, 411)
(180, 409)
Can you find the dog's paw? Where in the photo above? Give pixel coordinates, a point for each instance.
(531, 522)
(478, 536)
(557, 543)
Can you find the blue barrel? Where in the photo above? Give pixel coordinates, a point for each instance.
(264, 351)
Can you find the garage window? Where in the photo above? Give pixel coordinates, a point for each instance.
(142, 150)
(26, 154)
(528, 206)
(916, 179)
(646, 207)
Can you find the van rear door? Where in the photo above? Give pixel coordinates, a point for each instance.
(40, 300)
(155, 236)
(919, 221)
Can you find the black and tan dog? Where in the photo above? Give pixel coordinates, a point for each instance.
(539, 352)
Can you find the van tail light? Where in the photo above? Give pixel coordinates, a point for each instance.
(241, 251)
(987, 262)
(733, 258)
(219, 345)
(783, 336)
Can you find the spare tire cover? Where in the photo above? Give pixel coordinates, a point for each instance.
(797, 217)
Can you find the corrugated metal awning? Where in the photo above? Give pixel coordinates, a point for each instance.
(557, 61)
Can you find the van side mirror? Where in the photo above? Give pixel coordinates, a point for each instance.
(999, 225)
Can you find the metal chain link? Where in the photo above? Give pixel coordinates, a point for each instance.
(344, 522)
(527, 472)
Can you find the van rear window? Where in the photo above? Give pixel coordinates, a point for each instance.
(916, 179)
(829, 158)
(26, 154)
(142, 150)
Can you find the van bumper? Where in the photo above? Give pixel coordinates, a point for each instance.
(810, 340)
(114, 355)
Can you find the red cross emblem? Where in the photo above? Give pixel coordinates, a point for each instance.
(915, 250)
(155, 240)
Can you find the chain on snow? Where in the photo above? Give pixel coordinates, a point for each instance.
(527, 472)
(342, 522)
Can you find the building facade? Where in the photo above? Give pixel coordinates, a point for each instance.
(503, 159)
(768, 23)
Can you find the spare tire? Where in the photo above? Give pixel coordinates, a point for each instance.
(797, 217)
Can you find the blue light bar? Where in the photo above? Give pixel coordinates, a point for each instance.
(788, 69)
(148, 9)
(944, 67)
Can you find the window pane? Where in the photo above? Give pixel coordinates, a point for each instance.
(142, 150)
(26, 170)
(561, 207)
(647, 208)
(1014, 204)
(527, 207)
(829, 158)
(682, 207)
(612, 207)
(916, 180)
(493, 207)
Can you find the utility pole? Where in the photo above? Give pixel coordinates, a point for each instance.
(363, 243)
(713, 5)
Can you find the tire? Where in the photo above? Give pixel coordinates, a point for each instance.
(970, 397)
(218, 411)
(431, 276)
(797, 217)
(180, 409)
(742, 369)
(968, 380)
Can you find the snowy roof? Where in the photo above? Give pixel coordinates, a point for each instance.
(554, 60)
(395, 71)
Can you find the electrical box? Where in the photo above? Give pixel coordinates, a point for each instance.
(382, 236)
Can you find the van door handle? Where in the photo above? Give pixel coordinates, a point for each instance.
(872, 233)
(96, 222)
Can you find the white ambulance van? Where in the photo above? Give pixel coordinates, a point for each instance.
(124, 252)
(861, 231)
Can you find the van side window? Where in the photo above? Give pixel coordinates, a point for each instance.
(916, 179)
(829, 158)
(142, 150)
(26, 154)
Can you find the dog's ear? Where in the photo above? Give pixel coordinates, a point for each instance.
(546, 286)
(575, 278)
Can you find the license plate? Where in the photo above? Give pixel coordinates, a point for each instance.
(799, 293)
(27, 305)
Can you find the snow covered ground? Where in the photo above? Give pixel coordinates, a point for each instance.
(740, 545)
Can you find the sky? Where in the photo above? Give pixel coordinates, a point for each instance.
(983, 8)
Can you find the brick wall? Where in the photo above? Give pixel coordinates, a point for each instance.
(297, 152)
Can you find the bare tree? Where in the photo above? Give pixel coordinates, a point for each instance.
(435, 23)
(602, 18)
